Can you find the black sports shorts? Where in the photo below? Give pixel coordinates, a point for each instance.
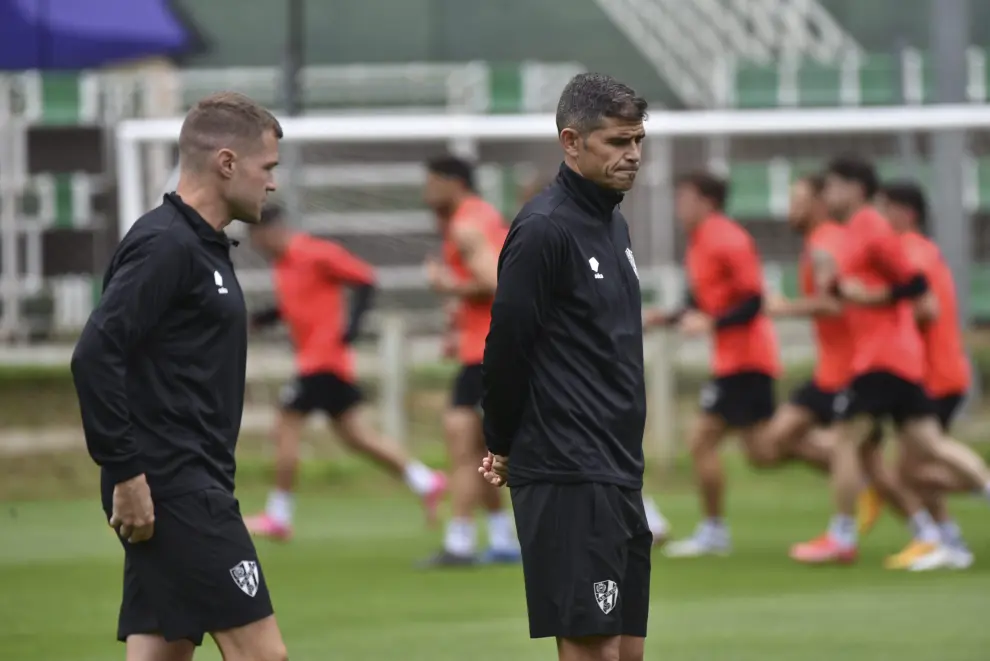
(883, 395)
(741, 400)
(586, 559)
(946, 409)
(821, 403)
(323, 391)
(468, 388)
(198, 574)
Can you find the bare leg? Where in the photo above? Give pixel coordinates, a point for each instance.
(632, 648)
(925, 435)
(288, 431)
(590, 648)
(147, 647)
(772, 443)
(353, 429)
(258, 641)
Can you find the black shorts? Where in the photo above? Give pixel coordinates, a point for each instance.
(198, 574)
(820, 403)
(586, 559)
(467, 387)
(323, 391)
(741, 400)
(946, 409)
(882, 395)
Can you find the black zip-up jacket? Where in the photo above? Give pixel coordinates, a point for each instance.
(160, 365)
(564, 391)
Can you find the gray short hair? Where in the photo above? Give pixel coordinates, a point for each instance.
(590, 98)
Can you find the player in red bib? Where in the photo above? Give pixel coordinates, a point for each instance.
(311, 276)
(947, 377)
(473, 232)
(878, 283)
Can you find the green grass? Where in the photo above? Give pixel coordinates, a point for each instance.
(345, 588)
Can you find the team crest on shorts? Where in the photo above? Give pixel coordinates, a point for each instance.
(245, 575)
(607, 594)
(632, 262)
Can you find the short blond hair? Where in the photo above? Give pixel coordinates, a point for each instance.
(223, 120)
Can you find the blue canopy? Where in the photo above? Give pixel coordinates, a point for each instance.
(82, 34)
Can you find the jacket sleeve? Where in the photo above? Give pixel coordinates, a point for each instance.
(146, 279)
(528, 268)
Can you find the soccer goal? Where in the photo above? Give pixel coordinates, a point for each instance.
(359, 180)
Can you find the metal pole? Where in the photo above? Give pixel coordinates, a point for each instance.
(952, 225)
(291, 69)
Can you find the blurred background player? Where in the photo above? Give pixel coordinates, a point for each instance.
(947, 373)
(726, 300)
(473, 232)
(878, 283)
(311, 276)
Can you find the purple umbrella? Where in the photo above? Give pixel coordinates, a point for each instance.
(82, 34)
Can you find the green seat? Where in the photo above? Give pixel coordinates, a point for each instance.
(749, 195)
(61, 98)
(979, 292)
(819, 85)
(896, 168)
(983, 183)
(789, 285)
(757, 85)
(879, 80)
(506, 88)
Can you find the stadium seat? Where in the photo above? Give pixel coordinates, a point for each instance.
(819, 85)
(879, 77)
(750, 190)
(506, 88)
(896, 168)
(61, 98)
(979, 292)
(757, 85)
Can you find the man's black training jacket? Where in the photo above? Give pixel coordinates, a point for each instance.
(564, 392)
(160, 366)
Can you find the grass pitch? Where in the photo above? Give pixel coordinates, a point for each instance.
(346, 588)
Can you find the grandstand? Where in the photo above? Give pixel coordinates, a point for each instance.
(745, 55)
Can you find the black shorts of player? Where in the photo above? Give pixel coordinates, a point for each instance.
(820, 403)
(946, 409)
(741, 400)
(323, 391)
(467, 387)
(198, 574)
(586, 559)
(883, 395)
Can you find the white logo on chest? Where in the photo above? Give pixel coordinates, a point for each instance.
(593, 263)
(218, 279)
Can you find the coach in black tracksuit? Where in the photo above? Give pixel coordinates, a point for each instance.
(565, 401)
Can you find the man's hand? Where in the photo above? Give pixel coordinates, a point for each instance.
(438, 276)
(655, 319)
(854, 291)
(776, 304)
(133, 512)
(495, 469)
(695, 323)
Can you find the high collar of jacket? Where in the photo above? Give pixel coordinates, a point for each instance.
(594, 198)
(202, 228)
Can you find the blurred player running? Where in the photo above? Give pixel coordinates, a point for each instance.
(878, 283)
(726, 285)
(310, 277)
(473, 232)
(947, 374)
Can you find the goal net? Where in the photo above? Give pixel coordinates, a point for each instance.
(359, 181)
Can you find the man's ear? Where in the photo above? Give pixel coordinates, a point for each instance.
(226, 162)
(570, 141)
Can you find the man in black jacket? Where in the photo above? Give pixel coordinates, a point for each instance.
(160, 370)
(564, 393)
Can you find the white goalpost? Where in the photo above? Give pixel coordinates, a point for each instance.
(352, 163)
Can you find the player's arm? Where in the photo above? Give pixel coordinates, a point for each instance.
(656, 318)
(479, 258)
(266, 317)
(926, 306)
(340, 265)
(823, 302)
(743, 270)
(147, 279)
(906, 281)
(527, 272)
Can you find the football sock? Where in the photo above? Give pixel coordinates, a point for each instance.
(502, 531)
(420, 478)
(461, 537)
(924, 529)
(279, 507)
(842, 529)
(951, 534)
